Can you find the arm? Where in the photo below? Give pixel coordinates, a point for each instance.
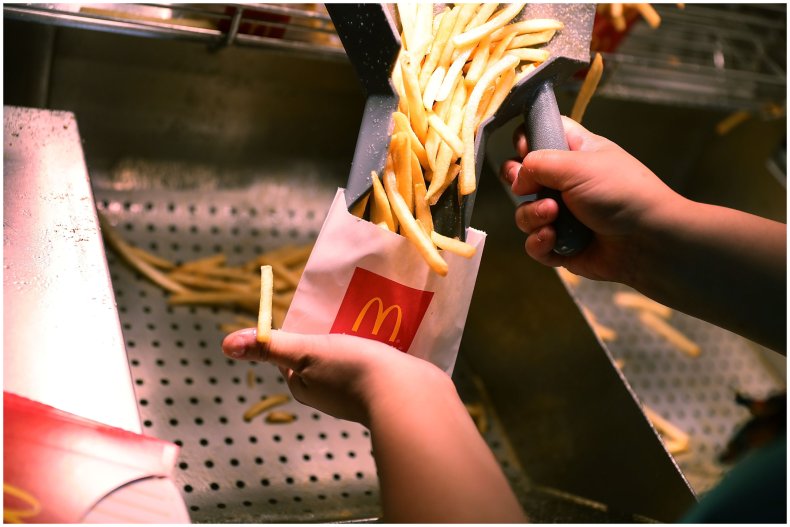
(433, 465)
(718, 264)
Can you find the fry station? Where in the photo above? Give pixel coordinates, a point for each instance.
(168, 169)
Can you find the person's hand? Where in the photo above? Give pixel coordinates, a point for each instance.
(606, 188)
(342, 375)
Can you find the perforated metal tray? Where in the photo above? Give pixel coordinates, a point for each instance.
(317, 468)
(695, 393)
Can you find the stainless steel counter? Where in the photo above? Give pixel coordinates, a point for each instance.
(62, 342)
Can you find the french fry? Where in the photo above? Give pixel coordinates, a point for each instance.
(131, 257)
(525, 70)
(467, 180)
(250, 378)
(530, 54)
(411, 85)
(466, 14)
(445, 157)
(534, 25)
(605, 333)
(407, 12)
(452, 245)
(650, 15)
(401, 154)
(380, 211)
(447, 135)
(402, 125)
(153, 259)
(452, 75)
(432, 88)
(500, 47)
(500, 19)
(421, 208)
(530, 39)
(479, 62)
(265, 311)
(359, 207)
(437, 48)
(618, 20)
(202, 282)
(587, 89)
(265, 404)
(400, 88)
(676, 440)
(278, 417)
(202, 263)
(641, 302)
(411, 229)
(484, 12)
(503, 87)
(675, 337)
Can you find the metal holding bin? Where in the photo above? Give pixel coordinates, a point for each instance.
(192, 152)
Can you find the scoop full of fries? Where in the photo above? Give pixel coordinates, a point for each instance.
(455, 69)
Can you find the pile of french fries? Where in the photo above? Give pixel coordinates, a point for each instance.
(453, 73)
(211, 281)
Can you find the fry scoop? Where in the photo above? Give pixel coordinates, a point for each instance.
(369, 34)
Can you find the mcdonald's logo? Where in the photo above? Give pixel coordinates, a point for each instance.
(381, 309)
(13, 498)
(381, 315)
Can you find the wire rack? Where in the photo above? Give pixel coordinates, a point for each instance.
(720, 57)
(728, 57)
(304, 28)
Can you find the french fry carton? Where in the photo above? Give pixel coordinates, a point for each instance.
(365, 281)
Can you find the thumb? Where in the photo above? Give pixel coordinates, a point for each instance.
(287, 350)
(557, 169)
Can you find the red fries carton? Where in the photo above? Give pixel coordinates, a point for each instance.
(365, 281)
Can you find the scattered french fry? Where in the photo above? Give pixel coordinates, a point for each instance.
(605, 333)
(265, 404)
(279, 417)
(132, 258)
(153, 259)
(675, 439)
(207, 262)
(640, 302)
(675, 337)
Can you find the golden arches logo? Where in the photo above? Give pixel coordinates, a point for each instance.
(381, 316)
(19, 515)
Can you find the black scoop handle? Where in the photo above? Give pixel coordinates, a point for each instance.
(545, 132)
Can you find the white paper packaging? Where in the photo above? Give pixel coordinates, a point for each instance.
(363, 280)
